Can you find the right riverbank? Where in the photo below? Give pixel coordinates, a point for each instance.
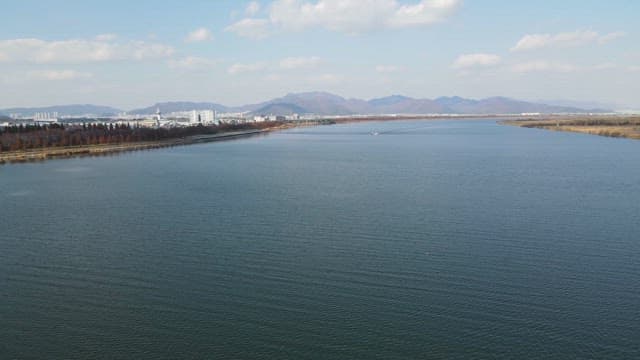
(611, 126)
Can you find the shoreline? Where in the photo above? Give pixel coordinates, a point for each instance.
(49, 153)
(627, 127)
(611, 126)
(33, 155)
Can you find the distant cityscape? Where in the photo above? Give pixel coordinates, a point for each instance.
(292, 107)
(158, 119)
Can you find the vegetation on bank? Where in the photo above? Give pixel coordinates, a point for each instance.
(614, 126)
(29, 137)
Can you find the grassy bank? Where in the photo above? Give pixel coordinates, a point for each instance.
(104, 149)
(611, 126)
(200, 135)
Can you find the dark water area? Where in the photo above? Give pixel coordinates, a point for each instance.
(431, 239)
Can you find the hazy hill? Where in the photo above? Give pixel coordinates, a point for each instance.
(457, 104)
(280, 109)
(329, 104)
(323, 103)
(308, 102)
(65, 110)
(173, 106)
(503, 105)
(596, 106)
(405, 105)
(389, 100)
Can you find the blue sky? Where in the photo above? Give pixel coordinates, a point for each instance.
(134, 53)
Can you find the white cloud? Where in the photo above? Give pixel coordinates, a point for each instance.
(543, 66)
(423, 13)
(55, 75)
(244, 68)
(567, 39)
(387, 68)
(142, 50)
(199, 35)
(347, 16)
(78, 51)
(192, 63)
(604, 66)
(467, 61)
(299, 62)
(326, 79)
(611, 36)
(562, 67)
(250, 28)
(252, 8)
(273, 77)
(106, 37)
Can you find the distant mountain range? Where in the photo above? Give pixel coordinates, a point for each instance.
(330, 104)
(281, 109)
(582, 104)
(66, 110)
(323, 103)
(175, 106)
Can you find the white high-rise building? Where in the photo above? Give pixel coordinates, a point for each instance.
(194, 117)
(208, 116)
(203, 117)
(46, 117)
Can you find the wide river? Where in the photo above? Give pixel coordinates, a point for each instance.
(430, 240)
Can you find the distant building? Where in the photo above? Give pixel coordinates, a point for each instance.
(147, 123)
(203, 117)
(158, 117)
(208, 116)
(45, 117)
(276, 118)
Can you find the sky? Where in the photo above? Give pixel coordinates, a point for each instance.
(131, 54)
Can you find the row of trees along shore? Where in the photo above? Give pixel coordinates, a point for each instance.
(25, 137)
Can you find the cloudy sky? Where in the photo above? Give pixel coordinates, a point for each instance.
(134, 53)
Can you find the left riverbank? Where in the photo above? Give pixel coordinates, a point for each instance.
(104, 149)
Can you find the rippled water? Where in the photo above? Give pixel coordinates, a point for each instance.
(441, 239)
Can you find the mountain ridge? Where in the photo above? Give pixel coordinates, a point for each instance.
(175, 106)
(325, 103)
(69, 109)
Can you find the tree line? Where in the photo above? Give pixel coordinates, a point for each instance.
(24, 137)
